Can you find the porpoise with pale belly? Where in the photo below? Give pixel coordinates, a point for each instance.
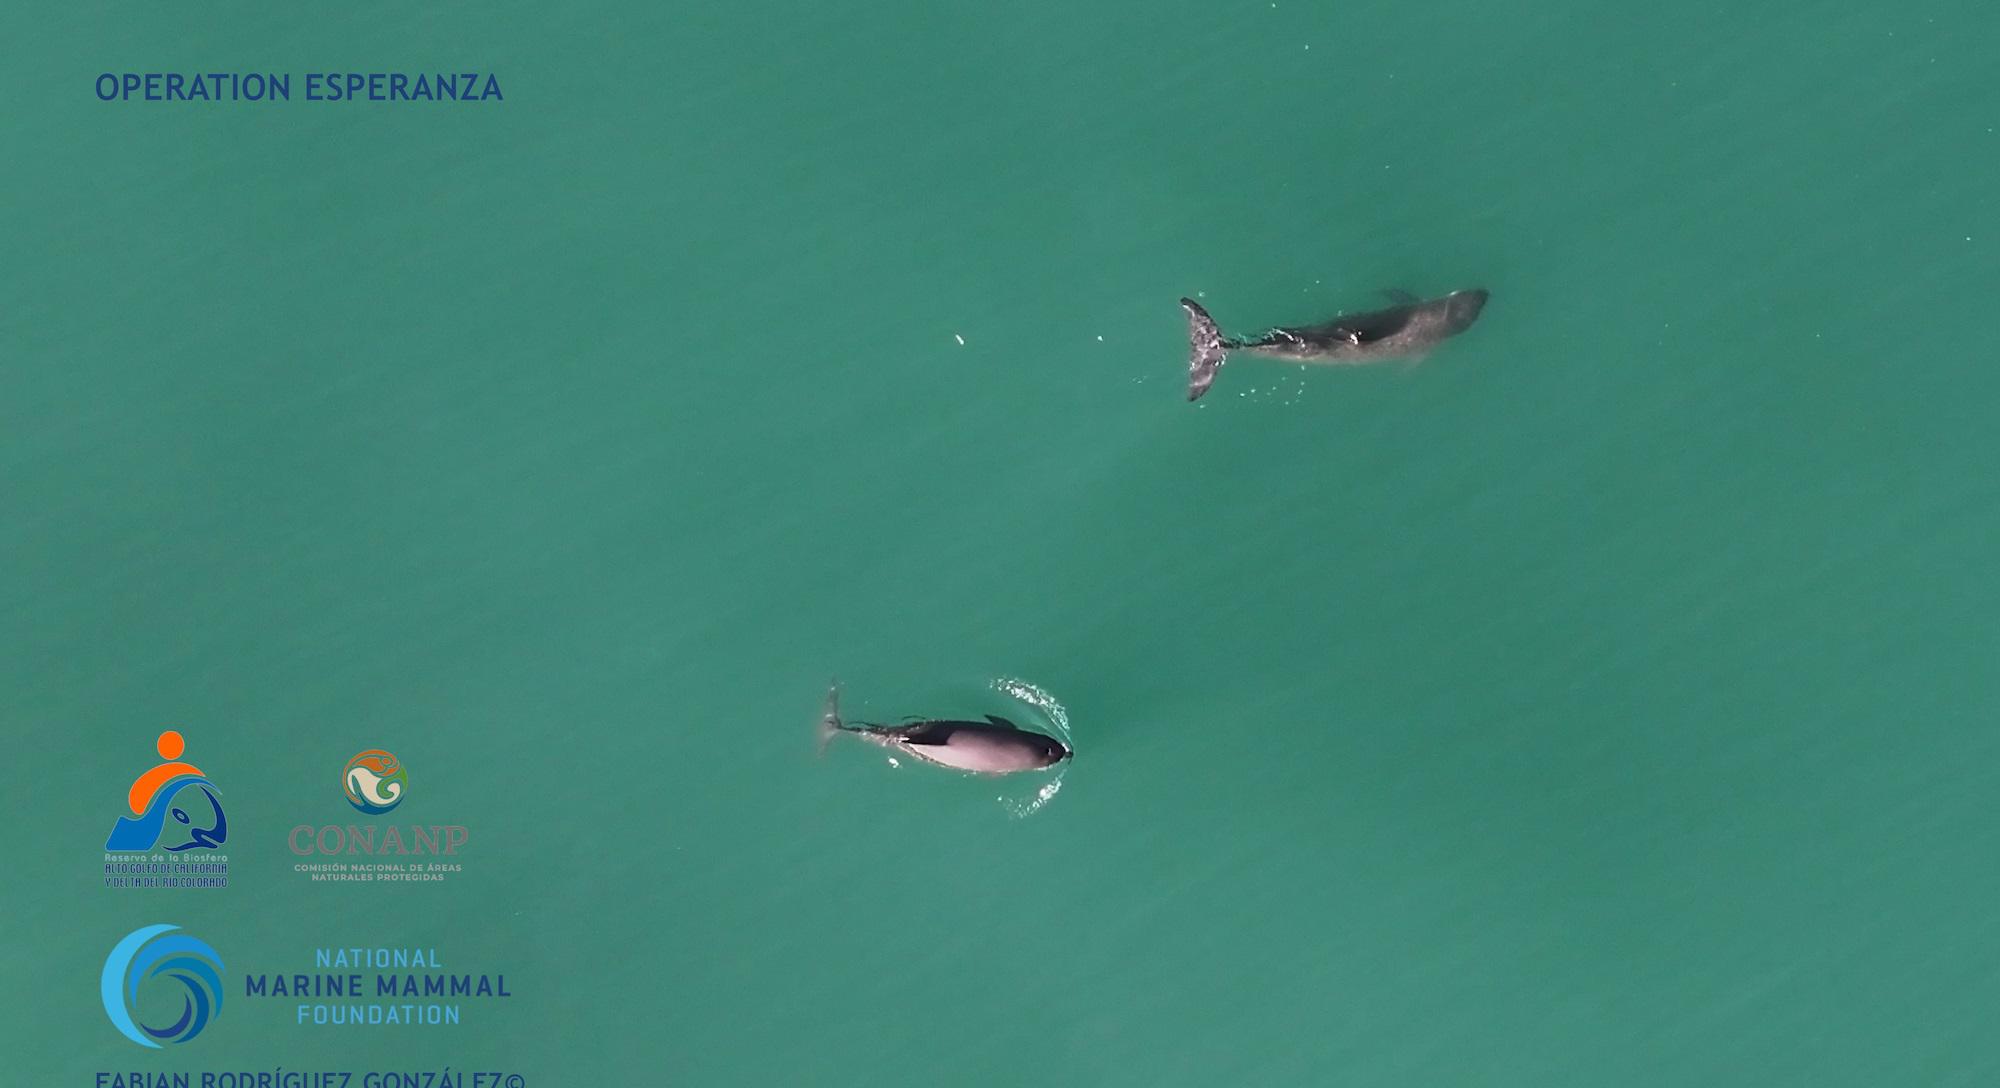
(992, 746)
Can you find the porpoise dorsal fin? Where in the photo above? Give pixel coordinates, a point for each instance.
(1002, 722)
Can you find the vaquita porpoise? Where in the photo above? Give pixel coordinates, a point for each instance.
(1409, 328)
(993, 746)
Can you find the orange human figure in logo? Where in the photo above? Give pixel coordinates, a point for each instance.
(170, 748)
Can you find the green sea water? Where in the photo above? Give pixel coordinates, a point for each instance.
(1608, 699)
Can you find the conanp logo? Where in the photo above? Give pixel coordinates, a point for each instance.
(174, 807)
(374, 851)
(146, 954)
(374, 781)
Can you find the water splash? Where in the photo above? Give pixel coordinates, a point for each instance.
(1056, 717)
(1287, 387)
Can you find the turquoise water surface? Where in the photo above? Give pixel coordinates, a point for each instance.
(1606, 700)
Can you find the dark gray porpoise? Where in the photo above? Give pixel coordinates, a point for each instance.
(1409, 328)
(993, 746)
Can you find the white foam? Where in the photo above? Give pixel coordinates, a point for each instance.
(1057, 717)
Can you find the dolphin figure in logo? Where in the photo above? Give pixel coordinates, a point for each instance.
(1408, 329)
(193, 802)
(993, 746)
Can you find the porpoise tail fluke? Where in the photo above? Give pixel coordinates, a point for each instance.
(829, 717)
(1206, 349)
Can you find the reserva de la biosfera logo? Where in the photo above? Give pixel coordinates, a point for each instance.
(173, 827)
(137, 997)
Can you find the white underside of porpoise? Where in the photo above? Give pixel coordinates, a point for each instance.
(981, 753)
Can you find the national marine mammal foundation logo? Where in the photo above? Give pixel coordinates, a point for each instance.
(176, 823)
(374, 781)
(151, 953)
(162, 985)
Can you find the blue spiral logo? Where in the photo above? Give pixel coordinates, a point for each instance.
(139, 957)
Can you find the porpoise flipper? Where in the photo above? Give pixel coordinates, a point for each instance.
(1368, 327)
